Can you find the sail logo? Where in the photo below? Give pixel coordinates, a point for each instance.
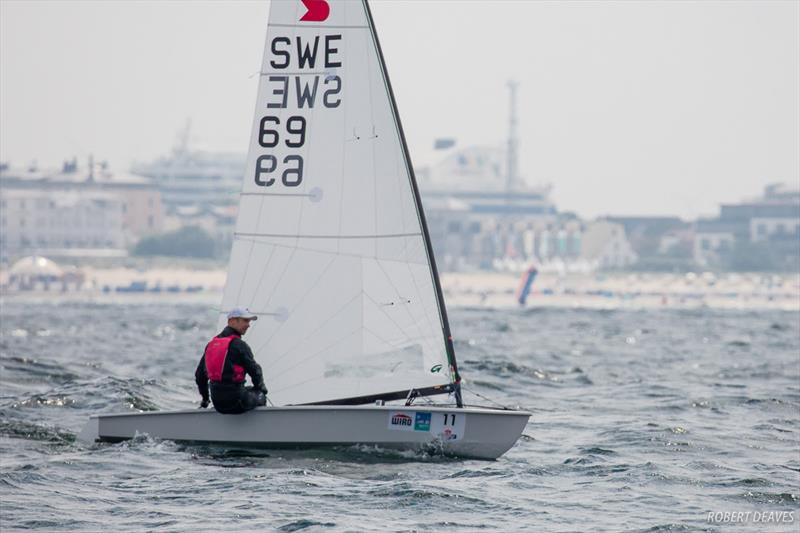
(292, 86)
(317, 11)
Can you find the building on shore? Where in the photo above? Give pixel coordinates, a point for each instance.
(218, 222)
(46, 221)
(195, 179)
(474, 219)
(75, 211)
(760, 231)
(606, 246)
(483, 215)
(661, 243)
(198, 188)
(651, 235)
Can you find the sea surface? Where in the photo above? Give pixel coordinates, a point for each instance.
(642, 421)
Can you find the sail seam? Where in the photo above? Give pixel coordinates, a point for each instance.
(308, 236)
(291, 195)
(300, 73)
(326, 252)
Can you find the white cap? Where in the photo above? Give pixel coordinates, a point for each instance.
(242, 312)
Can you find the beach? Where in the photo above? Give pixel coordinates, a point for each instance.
(203, 283)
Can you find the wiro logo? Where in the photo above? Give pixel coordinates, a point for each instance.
(402, 420)
(318, 11)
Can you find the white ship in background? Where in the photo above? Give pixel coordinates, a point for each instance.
(485, 179)
(484, 215)
(195, 181)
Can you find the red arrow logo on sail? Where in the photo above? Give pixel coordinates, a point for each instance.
(318, 10)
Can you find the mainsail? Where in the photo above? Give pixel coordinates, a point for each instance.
(331, 248)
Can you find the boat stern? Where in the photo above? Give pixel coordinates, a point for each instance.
(90, 432)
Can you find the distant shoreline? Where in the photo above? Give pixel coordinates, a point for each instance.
(476, 289)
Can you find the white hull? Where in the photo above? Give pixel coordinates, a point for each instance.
(469, 432)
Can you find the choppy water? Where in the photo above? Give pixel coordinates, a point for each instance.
(643, 421)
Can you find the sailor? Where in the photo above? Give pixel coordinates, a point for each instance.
(226, 360)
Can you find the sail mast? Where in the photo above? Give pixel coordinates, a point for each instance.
(448, 337)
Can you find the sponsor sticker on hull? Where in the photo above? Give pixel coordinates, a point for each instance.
(422, 422)
(402, 421)
(409, 421)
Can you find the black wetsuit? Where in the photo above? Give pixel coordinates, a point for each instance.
(228, 396)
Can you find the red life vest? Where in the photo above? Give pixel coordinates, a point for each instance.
(216, 352)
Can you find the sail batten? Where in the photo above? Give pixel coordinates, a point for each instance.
(299, 236)
(330, 240)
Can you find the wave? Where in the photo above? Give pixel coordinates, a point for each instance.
(99, 395)
(26, 369)
(35, 432)
(771, 498)
(303, 523)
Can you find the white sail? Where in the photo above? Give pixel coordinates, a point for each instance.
(329, 247)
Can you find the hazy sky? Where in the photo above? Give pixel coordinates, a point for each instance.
(624, 107)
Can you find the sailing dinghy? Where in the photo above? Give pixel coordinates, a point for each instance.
(331, 250)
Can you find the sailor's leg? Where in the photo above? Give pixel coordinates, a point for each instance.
(252, 398)
(228, 400)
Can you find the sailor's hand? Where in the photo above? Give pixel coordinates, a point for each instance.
(262, 388)
(204, 404)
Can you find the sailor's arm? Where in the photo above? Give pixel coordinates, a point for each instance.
(252, 368)
(201, 378)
